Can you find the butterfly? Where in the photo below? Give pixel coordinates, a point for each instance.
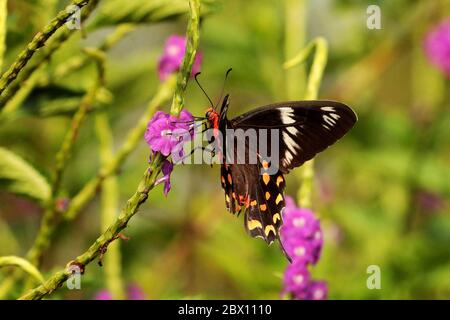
(304, 129)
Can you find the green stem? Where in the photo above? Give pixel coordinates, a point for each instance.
(192, 37)
(20, 92)
(23, 265)
(109, 207)
(148, 181)
(3, 27)
(295, 30)
(38, 41)
(312, 89)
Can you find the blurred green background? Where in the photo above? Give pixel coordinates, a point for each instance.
(382, 192)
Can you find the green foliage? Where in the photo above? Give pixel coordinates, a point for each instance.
(114, 12)
(368, 189)
(18, 176)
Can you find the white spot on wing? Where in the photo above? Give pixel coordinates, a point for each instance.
(288, 157)
(292, 130)
(290, 143)
(335, 116)
(330, 121)
(330, 109)
(287, 115)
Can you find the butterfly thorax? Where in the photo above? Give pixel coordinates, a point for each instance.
(212, 117)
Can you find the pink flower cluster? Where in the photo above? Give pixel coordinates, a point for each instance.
(166, 133)
(302, 239)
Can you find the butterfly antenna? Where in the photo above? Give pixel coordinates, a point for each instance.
(223, 87)
(200, 86)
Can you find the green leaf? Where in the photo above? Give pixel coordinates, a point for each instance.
(20, 177)
(114, 12)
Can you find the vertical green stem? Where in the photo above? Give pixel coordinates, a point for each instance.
(192, 37)
(3, 15)
(312, 89)
(295, 34)
(109, 207)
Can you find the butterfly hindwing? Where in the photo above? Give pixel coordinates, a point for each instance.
(263, 217)
(260, 195)
(226, 180)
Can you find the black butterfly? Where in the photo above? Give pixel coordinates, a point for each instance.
(305, 129)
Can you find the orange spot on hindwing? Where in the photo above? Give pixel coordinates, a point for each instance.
(266, 178)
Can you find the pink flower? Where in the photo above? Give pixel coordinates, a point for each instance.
(300, 222)
(429, 202)
(437, 46)
(134, 292)
(167, 168)
(301, 250)
(166, 133)
(299, 286)
(296, 278)
(301, 229)
(173, 55)
(302, 239)
(103, 295)
(317, 290)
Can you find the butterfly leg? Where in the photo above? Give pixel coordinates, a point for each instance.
(195, 149)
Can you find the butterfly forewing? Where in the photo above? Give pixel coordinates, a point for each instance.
(305, 127)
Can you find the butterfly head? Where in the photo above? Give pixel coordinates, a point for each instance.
(212, 117)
